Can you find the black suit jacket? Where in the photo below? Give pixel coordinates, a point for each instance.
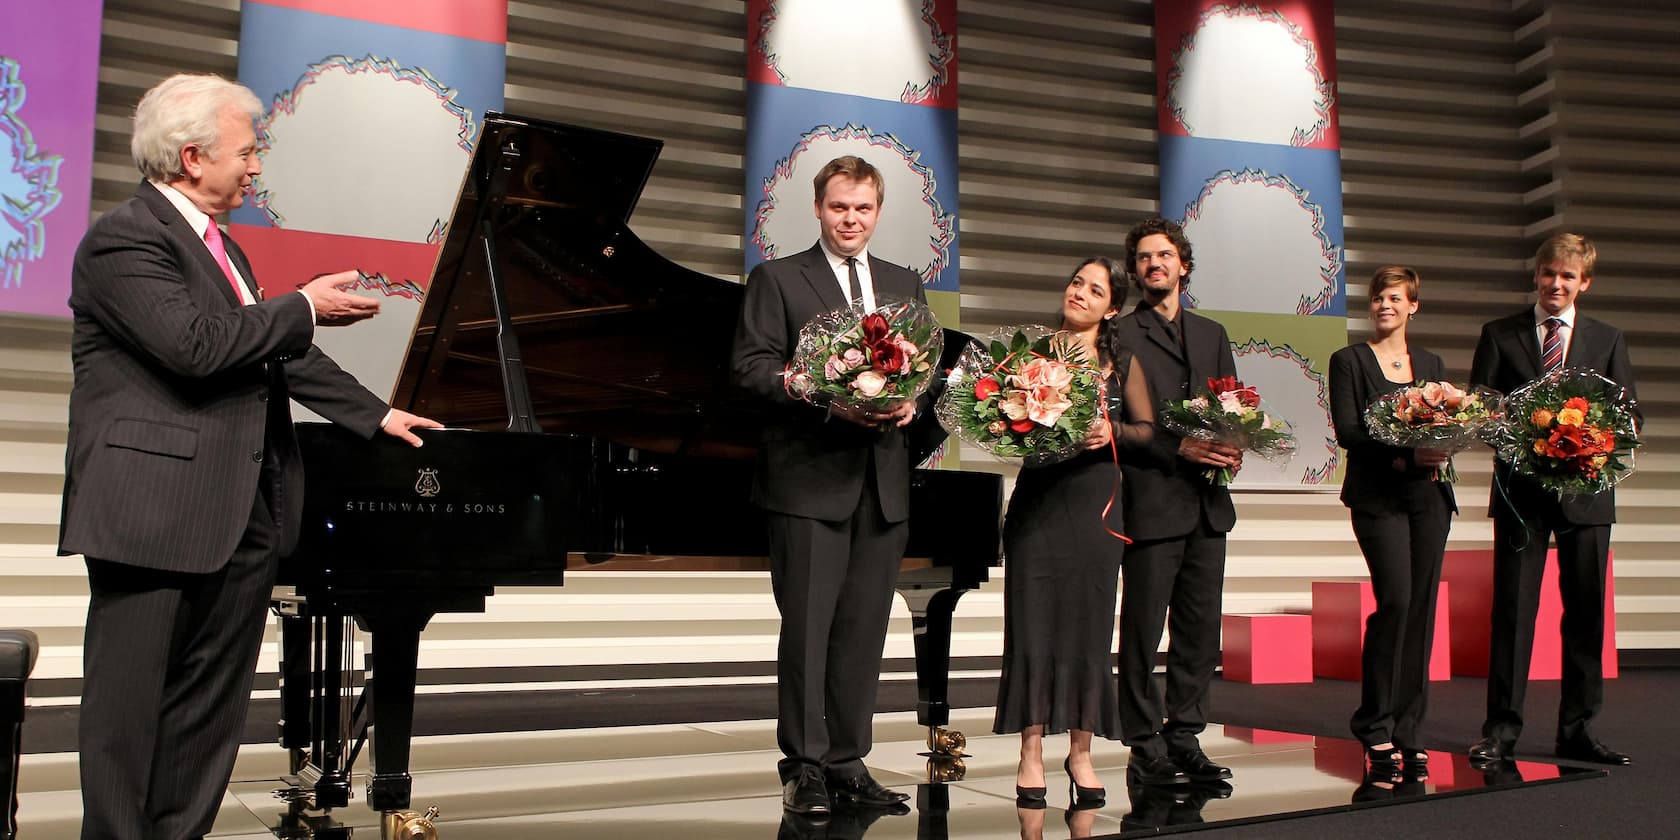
(1372, 483)
(1508, 356)
(180, 395)
(808, 464)
(1166, 495)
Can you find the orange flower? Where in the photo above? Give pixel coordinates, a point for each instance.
(1578, 403)
(1542, 418)
(1570, 416)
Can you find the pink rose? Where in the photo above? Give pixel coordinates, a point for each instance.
(869, 384)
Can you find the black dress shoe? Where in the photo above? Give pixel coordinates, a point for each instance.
(806, 793)
(1198, 767)
(1586, 749)
(864, 790)
(1492, 749)
(1154, 770)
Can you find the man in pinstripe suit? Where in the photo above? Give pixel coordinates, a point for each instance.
(182, 483)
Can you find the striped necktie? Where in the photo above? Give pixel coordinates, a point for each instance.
(854, 289)
(1551, 349)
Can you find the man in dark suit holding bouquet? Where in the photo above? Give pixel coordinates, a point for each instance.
(1512, 352)
(1178, 520)
(834, 481)
(182, 483)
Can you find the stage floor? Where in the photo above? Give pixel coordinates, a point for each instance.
(705, 781)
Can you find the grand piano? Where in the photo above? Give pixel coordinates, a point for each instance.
(584, 379)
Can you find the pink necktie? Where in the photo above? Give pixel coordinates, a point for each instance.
(213, 238)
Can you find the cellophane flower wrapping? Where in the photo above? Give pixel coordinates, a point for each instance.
(1435, 415)
(1024, 392)
(873, 360)
(1231, 413)
(1572, 431)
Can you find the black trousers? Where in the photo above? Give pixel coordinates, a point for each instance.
(1519, 560)
(1183, 577)
(833, 583)
(1403, 548)
(168, 661)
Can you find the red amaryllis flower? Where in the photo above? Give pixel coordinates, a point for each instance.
(1566, 442)
(875, 328)
(1222, 384)
(986, 387)
(886, 356)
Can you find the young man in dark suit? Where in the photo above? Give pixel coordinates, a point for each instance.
(182, 483)
(1178, 520)
(1513, 351)
(834, 481)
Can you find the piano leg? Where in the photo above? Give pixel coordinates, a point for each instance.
(932, 602)
(393, 651)
(933, 811)
(294, 688)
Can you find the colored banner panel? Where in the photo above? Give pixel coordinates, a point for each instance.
(371, 113)
(49, 71)
(1288, 359)
(795, 132)
(1259, 72)
(1266, 222)
(908, 55)
(1251, 165)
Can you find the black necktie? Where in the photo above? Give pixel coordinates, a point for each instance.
(1551, 349)
(854, 288)
(1174, 333)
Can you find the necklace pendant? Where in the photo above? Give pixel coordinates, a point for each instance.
(1396, 364)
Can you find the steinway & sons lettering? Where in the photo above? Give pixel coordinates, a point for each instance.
(429, 508)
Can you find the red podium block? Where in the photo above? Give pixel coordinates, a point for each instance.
(1268, 648)
(1260, 737)
(1471, 574)
(1339, 611)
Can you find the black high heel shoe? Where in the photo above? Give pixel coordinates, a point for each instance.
(1030, 797)
(1415, 761)
(1078, 793)
(1383, 759)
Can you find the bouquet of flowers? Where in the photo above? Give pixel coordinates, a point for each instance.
(1433, 415)
(1572, 431)
(868, 359)
(1024, 392)
(1230, 413)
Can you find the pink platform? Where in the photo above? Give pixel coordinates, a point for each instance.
(1339, 610)
(1471, 574)
(1267, 648)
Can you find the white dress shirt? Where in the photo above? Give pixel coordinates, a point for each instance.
(866, 283)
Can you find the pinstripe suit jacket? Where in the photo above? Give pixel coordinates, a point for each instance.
(180, 395)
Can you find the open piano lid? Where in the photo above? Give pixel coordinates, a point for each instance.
(617, 341)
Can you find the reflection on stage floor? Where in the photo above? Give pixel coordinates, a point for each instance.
(718, 780)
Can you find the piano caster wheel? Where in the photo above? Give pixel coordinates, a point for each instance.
(945, 768)
(944, 741)
(408, 825)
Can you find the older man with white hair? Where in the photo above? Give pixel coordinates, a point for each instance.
(182, 482)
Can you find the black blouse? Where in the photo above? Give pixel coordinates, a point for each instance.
(1356, 379)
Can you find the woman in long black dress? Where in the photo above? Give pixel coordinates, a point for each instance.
(1400, 517)
(1062, 568)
